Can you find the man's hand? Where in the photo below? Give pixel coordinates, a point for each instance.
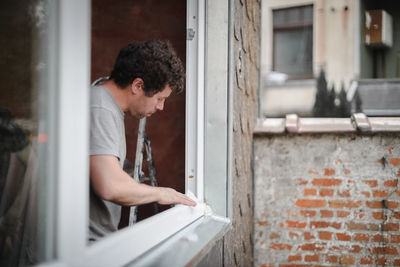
(171, 196)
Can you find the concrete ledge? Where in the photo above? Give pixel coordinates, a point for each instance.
(358, 122)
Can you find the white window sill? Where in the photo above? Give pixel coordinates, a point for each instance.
(188, 246)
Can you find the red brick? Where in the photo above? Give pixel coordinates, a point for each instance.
(391, 227)
(380, 193)
(395, 238)
(390, 183)
(278, 246)
(371, 183)
(308, 213)
(301, 181)
(310, 192)
(396, 215)
(380, 204)
(381, 261)
(338, 204)
(342, 214)
(346, 171)
(326, 182)
(361, 237)
(396, 262)
(313, 171)
(387, 250)
(310, 203)
(398, 172)
(296, 224)
(378, 215)
(394, 161)
(262, 223)
(331, 258)
(308, 236)
(366, 194)
(373, 227)
(296, 257)
(326, 192)
(329, 172)
(356, 226)
(323, 224)
(343, 237)
(346, 259)
(366, 260)
(326, 213)
(392, 204)
(312, 247)
(325, 235)
(274, 235)
(293, 265)
(344, 193)
(310, 258)
(398, 191)
(354, 249)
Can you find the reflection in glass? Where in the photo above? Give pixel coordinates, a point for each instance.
(24, 133)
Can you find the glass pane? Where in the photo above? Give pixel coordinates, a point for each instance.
(308, 14)
(25, 134)
(279, 17)
(293, 52)
(293, 15)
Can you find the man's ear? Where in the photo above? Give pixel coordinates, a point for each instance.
(137, 86)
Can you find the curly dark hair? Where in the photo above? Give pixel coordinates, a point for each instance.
(155, 62)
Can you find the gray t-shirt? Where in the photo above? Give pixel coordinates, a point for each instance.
(107, 137)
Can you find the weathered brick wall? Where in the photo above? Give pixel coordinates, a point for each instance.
(238, 243)
(327, 200)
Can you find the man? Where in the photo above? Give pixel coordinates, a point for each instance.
(144, 76)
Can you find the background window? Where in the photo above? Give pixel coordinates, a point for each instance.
(293, 41)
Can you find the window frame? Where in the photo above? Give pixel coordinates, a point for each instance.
(73, 120)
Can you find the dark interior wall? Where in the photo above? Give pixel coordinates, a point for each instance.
(118, 23)
(16, 57)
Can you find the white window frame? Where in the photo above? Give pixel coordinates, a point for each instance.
(72, 80)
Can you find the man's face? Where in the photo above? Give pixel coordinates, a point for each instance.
(145, 106)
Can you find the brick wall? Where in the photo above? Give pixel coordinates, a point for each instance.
(327, 200)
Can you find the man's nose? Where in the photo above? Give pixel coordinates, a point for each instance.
(160, 105)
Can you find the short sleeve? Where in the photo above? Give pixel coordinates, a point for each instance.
(104, 134)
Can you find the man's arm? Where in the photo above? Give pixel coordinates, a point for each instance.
(111, 183)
